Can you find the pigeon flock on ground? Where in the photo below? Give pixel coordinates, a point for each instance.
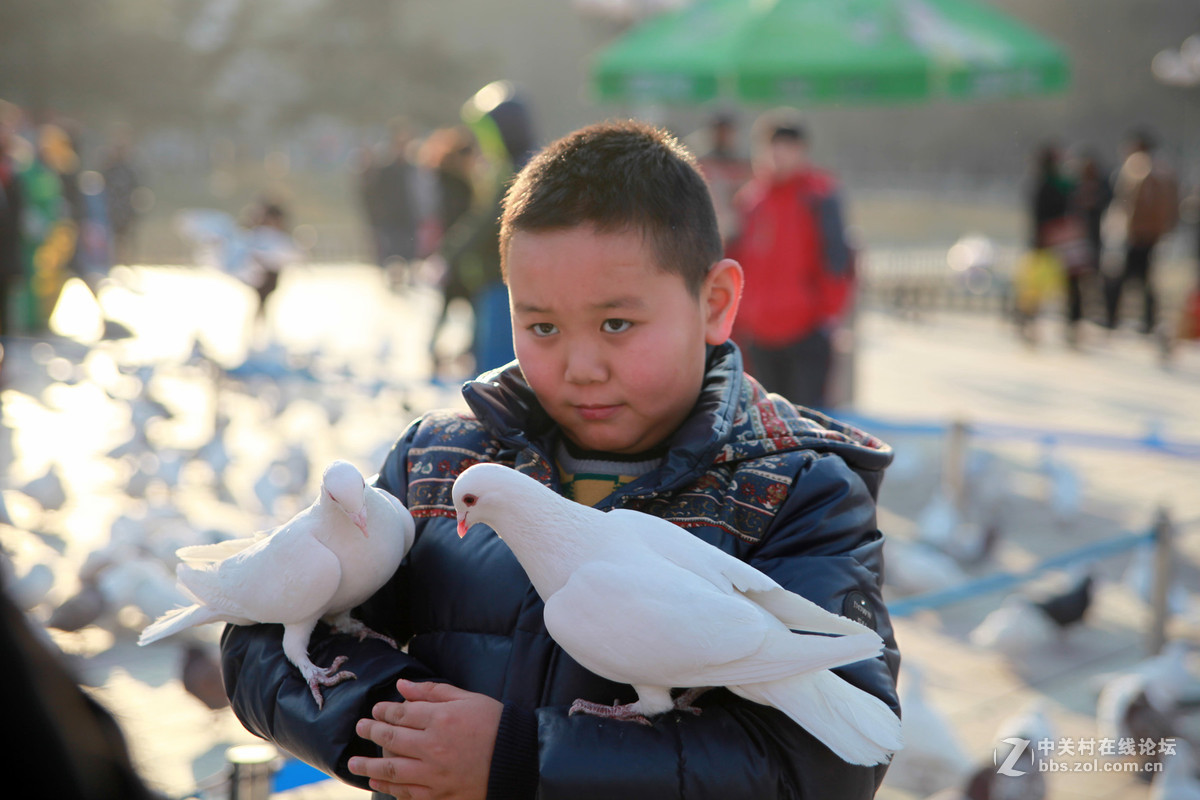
(180, 455)
(196, 471)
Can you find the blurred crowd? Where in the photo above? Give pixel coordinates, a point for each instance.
(429, 203)
(1094, 236)
(1096, 228)
(59, 216)
(435, 200)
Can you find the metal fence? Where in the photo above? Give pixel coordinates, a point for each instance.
(921, 278)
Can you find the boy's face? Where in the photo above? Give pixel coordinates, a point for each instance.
(613, 346)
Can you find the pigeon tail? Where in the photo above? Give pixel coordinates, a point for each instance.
(176, 620)
(857, 726)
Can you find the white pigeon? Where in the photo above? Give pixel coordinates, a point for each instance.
(1124, 710)
(322, 563)
(1148, 694)
(918, 567)
(1017, 627)
(638, 600)
(1170, 680)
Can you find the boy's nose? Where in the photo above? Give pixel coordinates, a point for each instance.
(585, 365)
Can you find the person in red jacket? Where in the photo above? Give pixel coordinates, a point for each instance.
(797, 263)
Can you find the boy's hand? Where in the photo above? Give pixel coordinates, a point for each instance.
(436, 744)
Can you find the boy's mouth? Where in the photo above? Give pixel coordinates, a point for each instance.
(594, 412)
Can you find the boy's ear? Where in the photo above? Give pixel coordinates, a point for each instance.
(721, 294)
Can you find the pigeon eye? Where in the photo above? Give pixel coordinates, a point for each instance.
(469, 499)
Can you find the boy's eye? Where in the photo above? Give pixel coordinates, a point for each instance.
(615, 325)
(543, 329)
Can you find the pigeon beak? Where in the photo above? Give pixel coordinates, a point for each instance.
(462, 526)
(359, 518)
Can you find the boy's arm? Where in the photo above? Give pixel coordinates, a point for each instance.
(272, 700)
(825, 545)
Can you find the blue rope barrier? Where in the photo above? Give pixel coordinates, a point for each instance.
(1153, 440)
(1001, 581)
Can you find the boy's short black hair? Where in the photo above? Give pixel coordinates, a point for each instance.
(620, 176)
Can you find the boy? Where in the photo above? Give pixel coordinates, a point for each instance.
(626, 393)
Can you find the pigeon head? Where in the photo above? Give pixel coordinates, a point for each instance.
(468, 501)
(476, 490)
(345, 486)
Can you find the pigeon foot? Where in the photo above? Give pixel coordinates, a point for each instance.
(626, 712)
(353, 627)
(367, 633)
(685, 700)
(330, 676)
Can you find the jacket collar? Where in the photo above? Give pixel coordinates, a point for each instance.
(508, 408)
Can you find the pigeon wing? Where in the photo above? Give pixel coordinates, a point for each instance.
(643, 625)
(401, 513)
(654, 624)
(284, 578)
(729, 574)
(218, 551)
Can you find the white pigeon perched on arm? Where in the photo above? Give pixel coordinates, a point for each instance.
(638, 600)
(326, 560)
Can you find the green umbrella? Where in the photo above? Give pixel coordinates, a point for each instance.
(811, 52)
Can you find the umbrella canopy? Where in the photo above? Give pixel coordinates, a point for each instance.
(812, 52)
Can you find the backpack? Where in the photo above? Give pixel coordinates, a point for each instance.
(1155, 208)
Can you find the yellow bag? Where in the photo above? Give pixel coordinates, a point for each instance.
(1039, 276)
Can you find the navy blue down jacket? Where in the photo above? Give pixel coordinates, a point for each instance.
(788, 490)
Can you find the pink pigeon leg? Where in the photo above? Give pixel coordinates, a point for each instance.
(295, 647)
(628, 712)
(685, 700)
(344, 623)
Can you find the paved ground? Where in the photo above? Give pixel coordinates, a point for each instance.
(1103, 401)
(71, 405)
